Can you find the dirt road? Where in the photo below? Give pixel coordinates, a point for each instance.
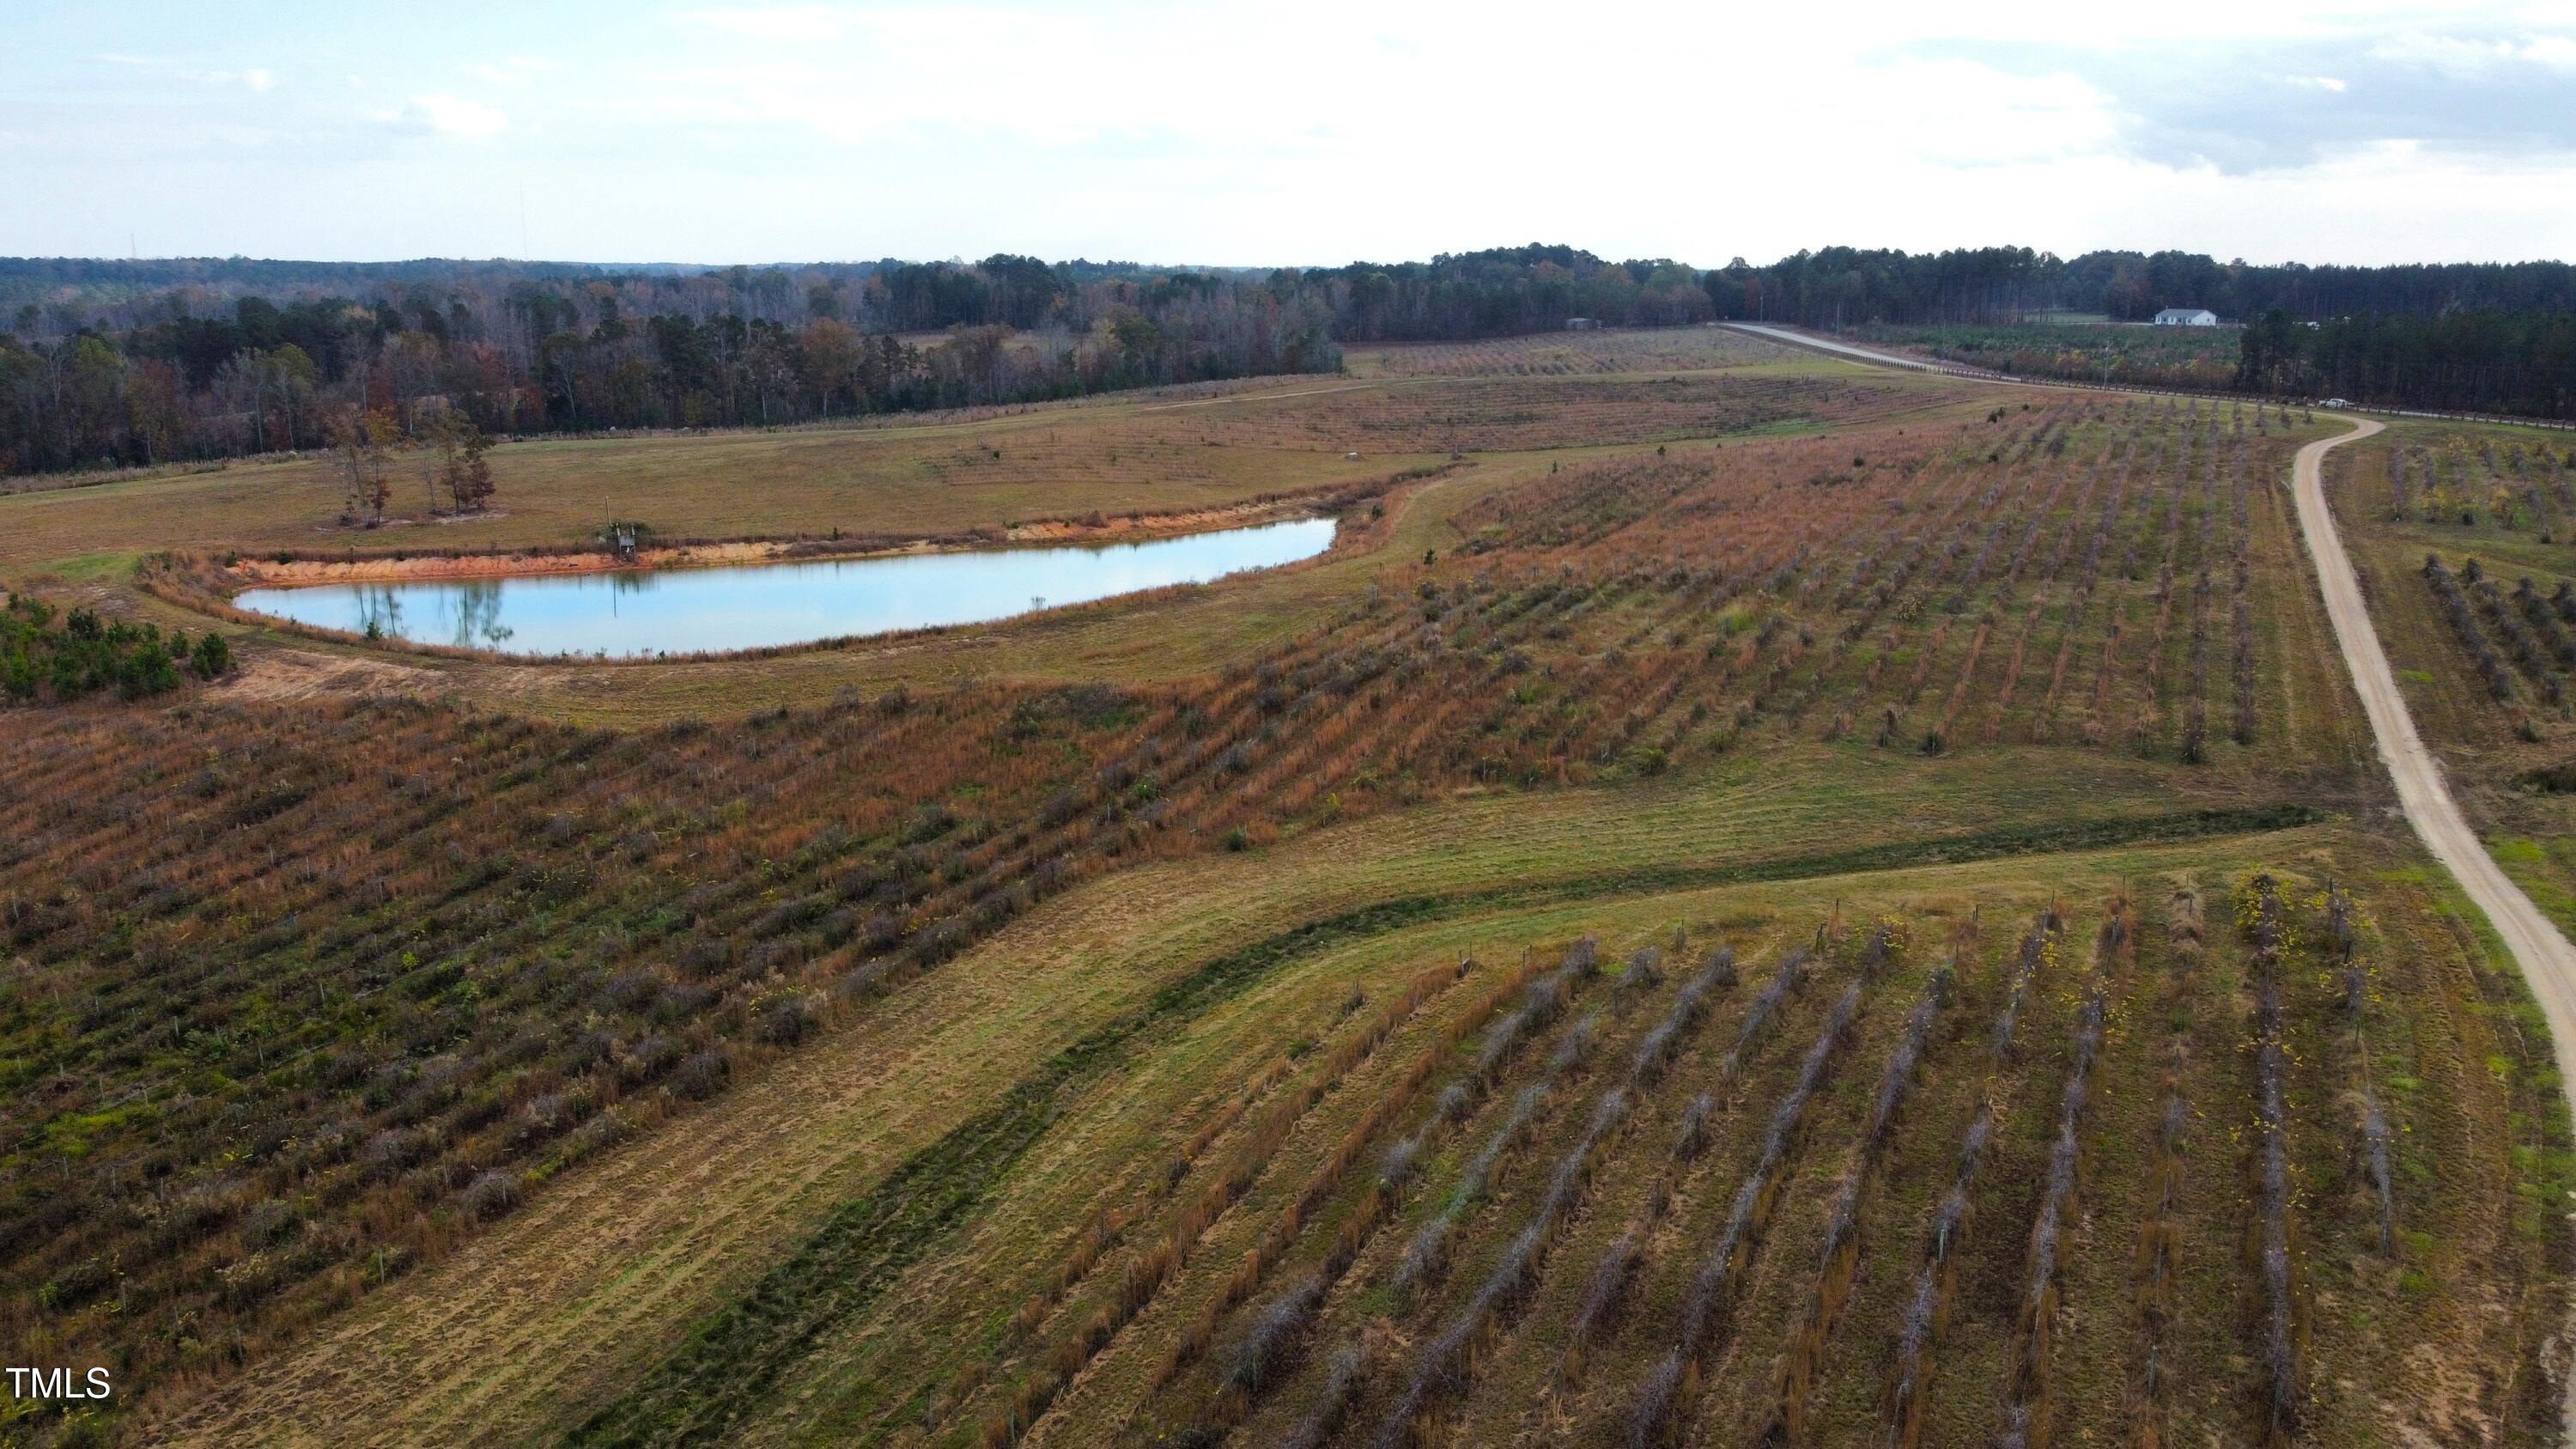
(2548, 961)
(1801, 339)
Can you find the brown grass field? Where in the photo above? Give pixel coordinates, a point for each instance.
(1162, 1020)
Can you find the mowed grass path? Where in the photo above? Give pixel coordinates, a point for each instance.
(528, 1330)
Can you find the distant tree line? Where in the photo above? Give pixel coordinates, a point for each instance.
(106, 363)
(2471, 337)
(2487, 360)
(1845, 287)
(1499, 293)
(238, 361)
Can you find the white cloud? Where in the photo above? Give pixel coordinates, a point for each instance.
(777, 22)
(1177, 132)
(450, 116)
(2466, 59)
(518, 70)
(255, 78)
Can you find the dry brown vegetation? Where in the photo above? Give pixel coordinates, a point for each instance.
(311, 1005)
(1572, 354)
(467, 951)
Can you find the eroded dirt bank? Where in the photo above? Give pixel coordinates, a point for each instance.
(380, 568)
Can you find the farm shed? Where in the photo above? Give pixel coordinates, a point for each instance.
(2186, 317)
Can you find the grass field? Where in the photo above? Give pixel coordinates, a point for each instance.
(1690, 349)
(1164, 456)
(1057, 1031)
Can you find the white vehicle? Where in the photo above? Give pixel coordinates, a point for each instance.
(2334, 402)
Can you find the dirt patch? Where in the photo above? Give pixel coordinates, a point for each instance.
(272, 675)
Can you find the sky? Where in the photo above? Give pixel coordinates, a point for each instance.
(1267, 135)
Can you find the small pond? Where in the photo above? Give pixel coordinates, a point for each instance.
(632, 612)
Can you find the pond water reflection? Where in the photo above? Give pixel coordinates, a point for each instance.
(632, 612)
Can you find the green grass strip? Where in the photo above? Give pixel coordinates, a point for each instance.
(731, 1361)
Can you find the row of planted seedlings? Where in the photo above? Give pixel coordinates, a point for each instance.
(1899, 595)
(2037, 574)
(1229, 1335)
(1798, 674)
(1878, 577)
(2147, 1341)
(2164, 1228)
(1671, 637)
(1767, 534)
(1563, 1362)
(2190, 561)
(2072, 617)
(2350, 979)
(1818, 1314)
(2453, 600)
(2241, 604)
(2033, 1372)
(2245, 1030)
(1701, 654)
(2080, 676)
(2537, 661)
(1951, 576)
(2078, 606)
(2280, 1319)
(2198, 462)
(1786, 1370)
(2452, 485)
(2333, 1276)
(1149, 1230)
(2095, 525)
(1646, 1299)
(1233, 1224)
(1402, 1343)
(2100, 647)
(2039, 511)
(1870, 1378)
(796, 897)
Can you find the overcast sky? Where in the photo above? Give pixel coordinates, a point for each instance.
(1318, 132)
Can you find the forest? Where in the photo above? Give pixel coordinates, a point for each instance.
(142, 363)
(1845, 286)
(137, 364)
(2480, 361)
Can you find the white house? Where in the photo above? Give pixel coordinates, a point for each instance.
(2186, 317)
